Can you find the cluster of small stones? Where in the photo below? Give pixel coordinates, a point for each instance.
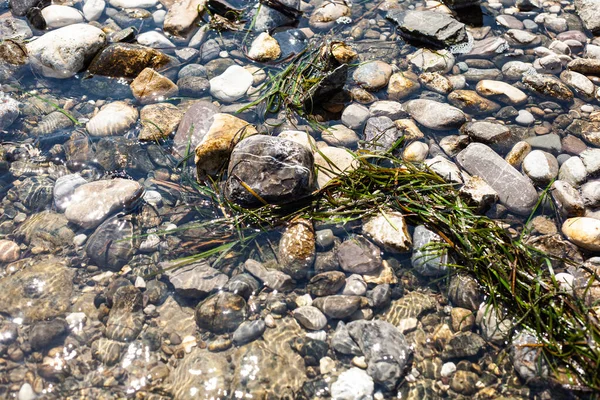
(90, 308)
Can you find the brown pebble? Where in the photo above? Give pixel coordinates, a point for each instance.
(9, 251)
(541, 130)
(536, 111)
(573, 145)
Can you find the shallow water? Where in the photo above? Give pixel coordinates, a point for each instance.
(95, 215)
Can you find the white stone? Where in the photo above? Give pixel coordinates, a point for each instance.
(58, 16)
(317, 335)
(326, 365)
(304, 300)
(76, 320)
(407, 325)
(26, 392)
(232, 84)
(93, 9)
(155, 40)
(9, 111)
(445, 168)
(113, 119)
(158, 17)
(448, 369)
(565, 281)
(64, 188)
(133, 3)
(63, 52)
(389, 230)
(415, 152)
(354, 384)
(80, 239)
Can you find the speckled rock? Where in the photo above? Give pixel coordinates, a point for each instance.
(310, 317)
(258, 157)
(159, 121)
(372, 75)
(297, 249)
(540, 166)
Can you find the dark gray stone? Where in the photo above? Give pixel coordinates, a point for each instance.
(193, 86)
(385, 349)
(359, 256)
(326, 283)
(248, 332)
(430, 27)
(343, 343)
(243, 284)
(380, 134)
(514, 190)
(278, 170)
(380, 296)
(46, 333)
(486, 132)
(273, 279)
(111, 245)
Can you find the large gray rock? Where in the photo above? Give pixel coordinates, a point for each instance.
(276, 170)
(65, 51)
(435, 115)
(589, 12)
(196, 280)
(429, 27)
(515, 192)
(385, 349)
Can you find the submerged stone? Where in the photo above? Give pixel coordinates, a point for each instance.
(270, 169)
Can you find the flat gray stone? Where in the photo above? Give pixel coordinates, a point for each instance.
(514, 190)
(429, 27)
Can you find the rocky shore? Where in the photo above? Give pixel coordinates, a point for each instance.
(132, 128)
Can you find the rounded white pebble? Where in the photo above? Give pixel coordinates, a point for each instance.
(448, 369)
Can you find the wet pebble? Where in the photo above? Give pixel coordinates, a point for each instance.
(220, 313)
(9, 251)
(248, 331)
